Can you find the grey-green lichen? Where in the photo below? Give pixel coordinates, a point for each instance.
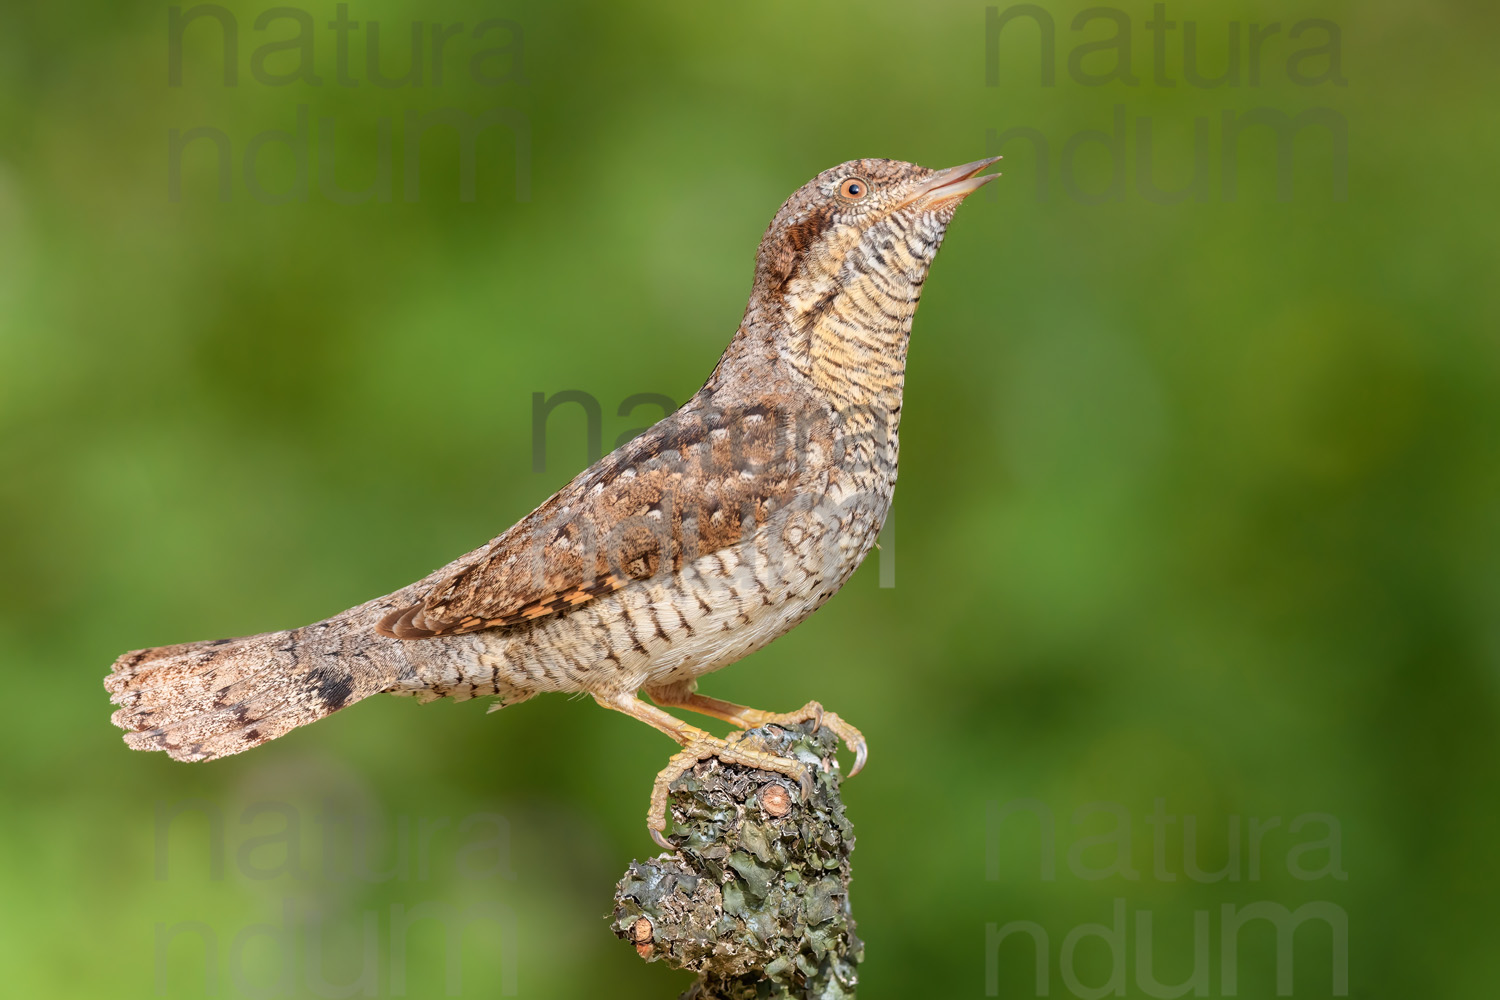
(755, 902)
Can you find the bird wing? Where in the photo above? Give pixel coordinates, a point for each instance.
(693, 484)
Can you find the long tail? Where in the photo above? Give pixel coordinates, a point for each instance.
(202, 700)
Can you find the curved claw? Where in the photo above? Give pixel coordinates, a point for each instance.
(657, 836)
(861, 754)
(853, 738)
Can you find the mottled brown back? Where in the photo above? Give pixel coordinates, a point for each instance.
(693, 484)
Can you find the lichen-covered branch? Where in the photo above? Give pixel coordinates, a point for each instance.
(756, 897)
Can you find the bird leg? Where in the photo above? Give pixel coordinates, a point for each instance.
(682, 696)
(696, 745)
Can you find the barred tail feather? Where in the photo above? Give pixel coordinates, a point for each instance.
(204, 700)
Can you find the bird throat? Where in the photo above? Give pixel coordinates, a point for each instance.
(849, 339)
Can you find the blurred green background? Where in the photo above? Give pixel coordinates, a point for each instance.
(1198, 500)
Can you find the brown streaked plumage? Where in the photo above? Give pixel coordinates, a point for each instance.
(702, 540)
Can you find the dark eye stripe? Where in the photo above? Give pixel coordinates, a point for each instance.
(804, 234)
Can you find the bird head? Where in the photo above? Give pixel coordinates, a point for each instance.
(863, 228)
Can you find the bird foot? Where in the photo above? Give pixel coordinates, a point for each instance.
(813, 712)
(704, 747)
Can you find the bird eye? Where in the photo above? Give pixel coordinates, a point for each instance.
(854, 188)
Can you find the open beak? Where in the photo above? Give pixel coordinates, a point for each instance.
(951, 185)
